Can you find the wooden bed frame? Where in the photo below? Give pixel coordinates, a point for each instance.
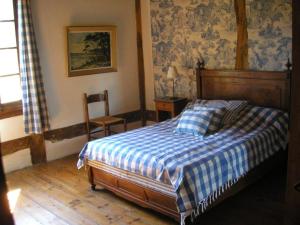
(270, 89)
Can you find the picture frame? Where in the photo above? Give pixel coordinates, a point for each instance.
(91, 50)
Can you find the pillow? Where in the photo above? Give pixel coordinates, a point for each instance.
(233, 108)
(200, 122)
(190, 105)
(216, 121)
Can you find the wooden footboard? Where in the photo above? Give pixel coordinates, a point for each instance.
(166, 204)
(136, 193)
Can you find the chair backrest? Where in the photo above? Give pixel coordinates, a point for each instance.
(101, 97)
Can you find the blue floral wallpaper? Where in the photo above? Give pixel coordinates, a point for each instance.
(184, 30)
(269, 33)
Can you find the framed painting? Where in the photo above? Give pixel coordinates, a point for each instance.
(91, 50)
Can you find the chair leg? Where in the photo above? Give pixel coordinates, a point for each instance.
(125, 125)
(109, 131)
(105, 131)
(89, 136)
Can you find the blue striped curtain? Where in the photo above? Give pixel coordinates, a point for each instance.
(33, 94)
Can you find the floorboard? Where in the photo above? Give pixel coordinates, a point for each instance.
(57, 193)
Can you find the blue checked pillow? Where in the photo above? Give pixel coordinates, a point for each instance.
(233, 108)
(200, 122)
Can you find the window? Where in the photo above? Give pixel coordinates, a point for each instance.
(10, 88)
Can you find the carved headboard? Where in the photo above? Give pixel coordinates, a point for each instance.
(269, 89)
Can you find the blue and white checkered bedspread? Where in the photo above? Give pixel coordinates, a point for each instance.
(198, 168)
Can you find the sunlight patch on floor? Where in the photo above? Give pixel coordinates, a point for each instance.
(13, 197)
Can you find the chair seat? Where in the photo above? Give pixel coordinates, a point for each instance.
(106, 120)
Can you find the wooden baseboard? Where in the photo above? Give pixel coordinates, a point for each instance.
(80, 128)
(63, 133)
(9, 147)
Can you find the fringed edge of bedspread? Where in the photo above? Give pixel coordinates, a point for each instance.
(204, 203)
(80, 163)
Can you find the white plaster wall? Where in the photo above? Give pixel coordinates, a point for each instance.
(13, 128)
(148, 60)
(64, 148)
(64, 94)
(16, 161)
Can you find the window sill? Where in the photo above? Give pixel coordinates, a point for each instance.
(10, 109)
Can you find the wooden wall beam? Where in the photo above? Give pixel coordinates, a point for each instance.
(37, 149)
(10, 109)
(79, 129)
(69, 132)
(141, 71)
(13, 146)
(35, 143)
(242, 35)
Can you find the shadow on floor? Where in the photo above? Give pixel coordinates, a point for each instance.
(260, 204)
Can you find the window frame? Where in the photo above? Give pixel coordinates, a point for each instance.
(12, 109)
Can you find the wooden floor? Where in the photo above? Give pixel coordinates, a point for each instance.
(57, 193)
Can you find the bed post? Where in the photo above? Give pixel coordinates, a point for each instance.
(199, 69)
(289, 74)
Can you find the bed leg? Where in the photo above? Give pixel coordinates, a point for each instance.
(91, 178)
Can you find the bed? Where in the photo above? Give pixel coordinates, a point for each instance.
(147, 167)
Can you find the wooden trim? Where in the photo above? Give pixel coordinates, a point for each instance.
(12, 109)
(13, 146)
(4, 21)
(65, 132)
(86, 115)
(37, 149)
(199, 68)
(242, 35)
(11, 74)
(140, 53)
(80, 129)
(8, 49)
(35, 143)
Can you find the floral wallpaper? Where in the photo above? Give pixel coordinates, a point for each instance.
(269, 33)
(184, 30)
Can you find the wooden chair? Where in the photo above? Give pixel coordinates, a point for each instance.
(103, 123)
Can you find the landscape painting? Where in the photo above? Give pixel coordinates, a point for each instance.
(91, 50)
